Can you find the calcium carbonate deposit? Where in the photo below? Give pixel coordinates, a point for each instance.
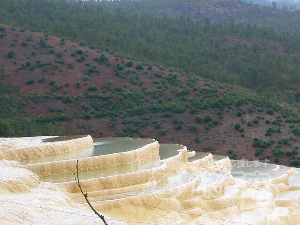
(139, 186)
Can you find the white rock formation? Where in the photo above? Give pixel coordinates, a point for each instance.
(174, 191)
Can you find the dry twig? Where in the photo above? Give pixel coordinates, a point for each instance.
(85, 195)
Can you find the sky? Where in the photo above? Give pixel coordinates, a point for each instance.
(280, 3)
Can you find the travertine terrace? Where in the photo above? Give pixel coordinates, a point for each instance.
(139, 186)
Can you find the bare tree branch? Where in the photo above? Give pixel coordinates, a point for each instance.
(85, 195)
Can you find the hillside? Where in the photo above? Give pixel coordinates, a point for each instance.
(72, 88)
(234, 53)
(282, 17)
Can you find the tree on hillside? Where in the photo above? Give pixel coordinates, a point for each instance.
(11, 54)
(4, 129)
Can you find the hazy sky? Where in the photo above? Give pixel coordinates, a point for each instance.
(280, 3)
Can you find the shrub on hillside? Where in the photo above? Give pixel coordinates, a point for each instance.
(29, 81)
(198, 119)
(207, 117)
(193, 128)
(11, 54)
(237, 126)
(139, 66)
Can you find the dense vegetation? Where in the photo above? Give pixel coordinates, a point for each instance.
(281, 17)
(241, 54)
(14, 121)
(212, 86)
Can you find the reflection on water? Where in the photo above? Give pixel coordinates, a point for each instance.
(198, 155)
(219, 157)
(169, 150)
(253, 171)
(114, 145)
(105, 146)
(102, 146)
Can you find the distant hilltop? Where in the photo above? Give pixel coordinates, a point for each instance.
(291, 4)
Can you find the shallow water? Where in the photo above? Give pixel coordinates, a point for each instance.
(253, 171)
(198, 155)
(163, 192)
(165, 151)
(169, 150)
(102, 146)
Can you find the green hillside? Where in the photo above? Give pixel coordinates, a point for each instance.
(240, 54)
(78, 68)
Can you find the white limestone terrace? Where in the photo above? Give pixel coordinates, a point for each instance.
(25, 199)
(23, 142)
(213, 197)
(33, 147)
